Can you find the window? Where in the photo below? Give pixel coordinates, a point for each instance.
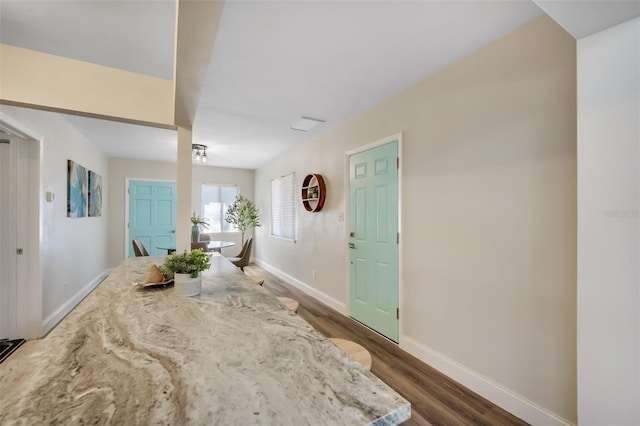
(283, 213)
(216, 199)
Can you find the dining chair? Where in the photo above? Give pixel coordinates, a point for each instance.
(242, 250)
(200, 245)
(205, 237)
(242, 259)
(139, 248)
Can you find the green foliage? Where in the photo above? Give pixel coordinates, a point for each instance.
(197, 220)
(192, 262)
(243, 214)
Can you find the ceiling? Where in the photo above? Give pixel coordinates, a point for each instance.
(275, 61)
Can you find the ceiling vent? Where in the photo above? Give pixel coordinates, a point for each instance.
(305, 124)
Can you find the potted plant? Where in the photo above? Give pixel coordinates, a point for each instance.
(196, 223)
(243, 214)
(185, 269)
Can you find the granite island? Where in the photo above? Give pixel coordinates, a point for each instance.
(232, 355)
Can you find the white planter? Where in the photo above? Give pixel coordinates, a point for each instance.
(185, 286)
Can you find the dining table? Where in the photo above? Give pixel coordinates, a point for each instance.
(217, 246)
(134, 353)
(213, 246)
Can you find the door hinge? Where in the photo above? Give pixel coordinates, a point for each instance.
(397, 313)
(398, 238)
(397, 162)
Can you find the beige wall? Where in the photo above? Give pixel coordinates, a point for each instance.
(47, 81)
(121, 169)
(488, 218)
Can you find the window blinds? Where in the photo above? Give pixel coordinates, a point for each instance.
(283, 213)
(216, 199)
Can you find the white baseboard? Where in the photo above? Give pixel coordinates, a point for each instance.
(499, 395)
(313, 292)
(57, 316)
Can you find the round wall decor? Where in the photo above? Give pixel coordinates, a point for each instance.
(314, 192)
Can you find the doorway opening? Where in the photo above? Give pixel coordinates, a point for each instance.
(20, 287)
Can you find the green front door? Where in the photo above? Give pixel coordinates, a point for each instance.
(374, 238)
(152, 215)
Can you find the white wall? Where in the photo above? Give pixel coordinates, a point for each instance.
(609, 226)
(488, 225)
(120, 169)
(67, 272)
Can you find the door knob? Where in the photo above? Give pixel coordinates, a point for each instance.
(173, 231)
(352, 245)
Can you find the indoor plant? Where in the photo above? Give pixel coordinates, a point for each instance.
(185, 269)
(243, 214)
(196, 222)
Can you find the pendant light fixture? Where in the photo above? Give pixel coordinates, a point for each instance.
(199, 153)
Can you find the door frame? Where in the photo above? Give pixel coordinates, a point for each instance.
(29, 304)
(347, 221)
(127, 180)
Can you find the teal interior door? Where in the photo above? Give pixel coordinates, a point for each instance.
(152, 215)
(374, 239)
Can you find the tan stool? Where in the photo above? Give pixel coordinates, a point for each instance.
(257, 280)
(355, 351)
(290, 303)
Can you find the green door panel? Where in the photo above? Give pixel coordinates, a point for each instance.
(373, 223)
(152, 215)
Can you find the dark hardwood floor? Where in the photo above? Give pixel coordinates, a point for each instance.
(435, 399)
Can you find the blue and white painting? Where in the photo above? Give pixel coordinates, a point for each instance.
(76, 190)
(95, 194)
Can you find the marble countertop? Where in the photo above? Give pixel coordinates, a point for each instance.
(232, 355)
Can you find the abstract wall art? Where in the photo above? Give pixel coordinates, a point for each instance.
(76, 190)
(95, 194)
